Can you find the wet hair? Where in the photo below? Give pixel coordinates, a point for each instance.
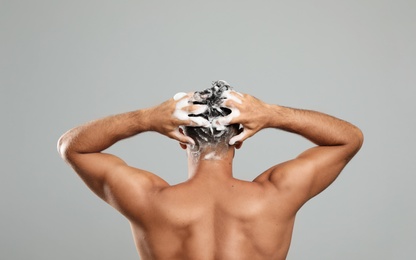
(213, 137)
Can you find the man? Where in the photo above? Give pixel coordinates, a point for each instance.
(212, 215)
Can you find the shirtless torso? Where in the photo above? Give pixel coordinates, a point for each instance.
(212, 215)
(227, 219)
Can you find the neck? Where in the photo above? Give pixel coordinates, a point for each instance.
(211, 165)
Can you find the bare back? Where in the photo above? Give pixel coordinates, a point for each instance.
(212, 215)
(215, 220)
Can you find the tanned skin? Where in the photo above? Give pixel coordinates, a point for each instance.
(212, 215)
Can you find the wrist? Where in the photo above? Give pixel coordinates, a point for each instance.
(143, 120)
(274, 116)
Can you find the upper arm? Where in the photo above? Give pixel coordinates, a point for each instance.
(123, 187)
(311, 172)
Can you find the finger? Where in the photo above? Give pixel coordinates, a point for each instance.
(229, 103)
(232, 102)
(233, 95)
(238, 93)
(198, 121)
(186, 120)
(184, 110)
(182, 138)
(183, 101)
(228, 119)
(179, 113)
(196, 109)
(239, 138)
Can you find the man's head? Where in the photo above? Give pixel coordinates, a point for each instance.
(212, 140)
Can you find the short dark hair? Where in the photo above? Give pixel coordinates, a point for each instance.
(213, 98)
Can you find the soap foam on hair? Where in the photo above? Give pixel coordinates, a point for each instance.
(218, 131)
(181, 114)
(214, 98)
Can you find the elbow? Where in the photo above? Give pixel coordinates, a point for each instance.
(63, 147)
(358, 139)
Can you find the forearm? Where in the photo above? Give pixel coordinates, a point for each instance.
(100, 134)
(321, 129)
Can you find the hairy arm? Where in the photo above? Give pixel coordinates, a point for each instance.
(108, 176)
(337, 141)
(82, 146)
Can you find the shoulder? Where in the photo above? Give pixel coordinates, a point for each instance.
(290, 181)
(129, 189)
(130, 176)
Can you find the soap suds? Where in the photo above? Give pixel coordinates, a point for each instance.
(227, 95)
(218, 116)
(181, 114)
(212, 156)
(179, 95)
(213, 139)
(237, 138)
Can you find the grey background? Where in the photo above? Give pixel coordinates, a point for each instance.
(63, 63)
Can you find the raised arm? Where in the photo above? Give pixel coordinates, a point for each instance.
(109, 176)
(313, 170)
